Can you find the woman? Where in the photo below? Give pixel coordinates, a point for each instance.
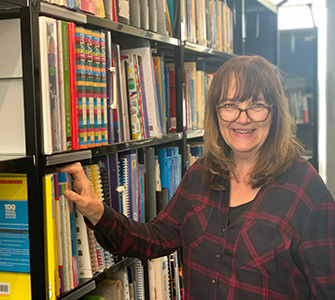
(253, 219)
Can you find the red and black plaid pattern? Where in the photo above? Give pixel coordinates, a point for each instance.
(282, 247)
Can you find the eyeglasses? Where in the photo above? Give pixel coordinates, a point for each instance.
(229, 112)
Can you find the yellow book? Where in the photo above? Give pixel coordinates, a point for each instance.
(51, 263)
(14, 263)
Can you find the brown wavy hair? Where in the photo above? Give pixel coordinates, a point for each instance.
(252, 75)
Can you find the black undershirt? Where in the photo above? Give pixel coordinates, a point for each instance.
(236, 211)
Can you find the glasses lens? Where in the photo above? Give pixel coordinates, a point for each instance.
(228, 114)
(258, 114)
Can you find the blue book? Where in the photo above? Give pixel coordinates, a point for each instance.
(164, 169)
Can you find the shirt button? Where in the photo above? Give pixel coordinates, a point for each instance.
(213, 281)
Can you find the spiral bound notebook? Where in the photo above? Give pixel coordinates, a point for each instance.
(124, 186)
(138, 280)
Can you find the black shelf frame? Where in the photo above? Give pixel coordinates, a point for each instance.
(11, 163)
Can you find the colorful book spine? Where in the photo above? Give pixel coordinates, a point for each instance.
(73, 92)
(89, 76)
(81, 86)
(97, 96)
(103, 89)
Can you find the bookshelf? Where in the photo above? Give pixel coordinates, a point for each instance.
(35, 164)
(298, 61)
(261, 30)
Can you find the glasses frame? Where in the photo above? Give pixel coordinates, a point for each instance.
(268, 107)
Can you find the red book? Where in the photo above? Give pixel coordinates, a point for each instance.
(72, 55)
(187, 115)
(114, 8)
(87, 6)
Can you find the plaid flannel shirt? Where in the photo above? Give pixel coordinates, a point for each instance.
(281, 247)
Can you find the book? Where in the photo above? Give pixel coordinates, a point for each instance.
(81, 82)
(161, 268)
(111, 10)
(123, 11)
(122, 276)
(144, 10)
(84, 261)
(112, 94)
(172, 97)
(153, 15)
(73, 91)
(162, 21)
(97, 252)
(61, 86)
(66, 82)
(90, 86)
(103, 88)
(114, 181)
(96, 88)
(51, 134)
(65, 232)
(158, 60)
(133, 96)
(191, 68)
(135, 13)
(59, 234)
(88, 6)
(150, 184)
(138, 273)
(125, 177)
(151, 102)
(14, 261)
(125, 115)
(200, 92)
(50, 233)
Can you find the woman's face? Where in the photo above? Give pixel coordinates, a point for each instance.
(244, 136)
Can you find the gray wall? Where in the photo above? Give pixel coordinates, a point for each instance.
(330, 97)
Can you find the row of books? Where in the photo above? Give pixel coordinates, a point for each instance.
(93, 93)
(197, 82)
(73, 82)
(72, 252)
(154, 15)
(208, 23)
(298, 105)
(161, 282)
(119, 180)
